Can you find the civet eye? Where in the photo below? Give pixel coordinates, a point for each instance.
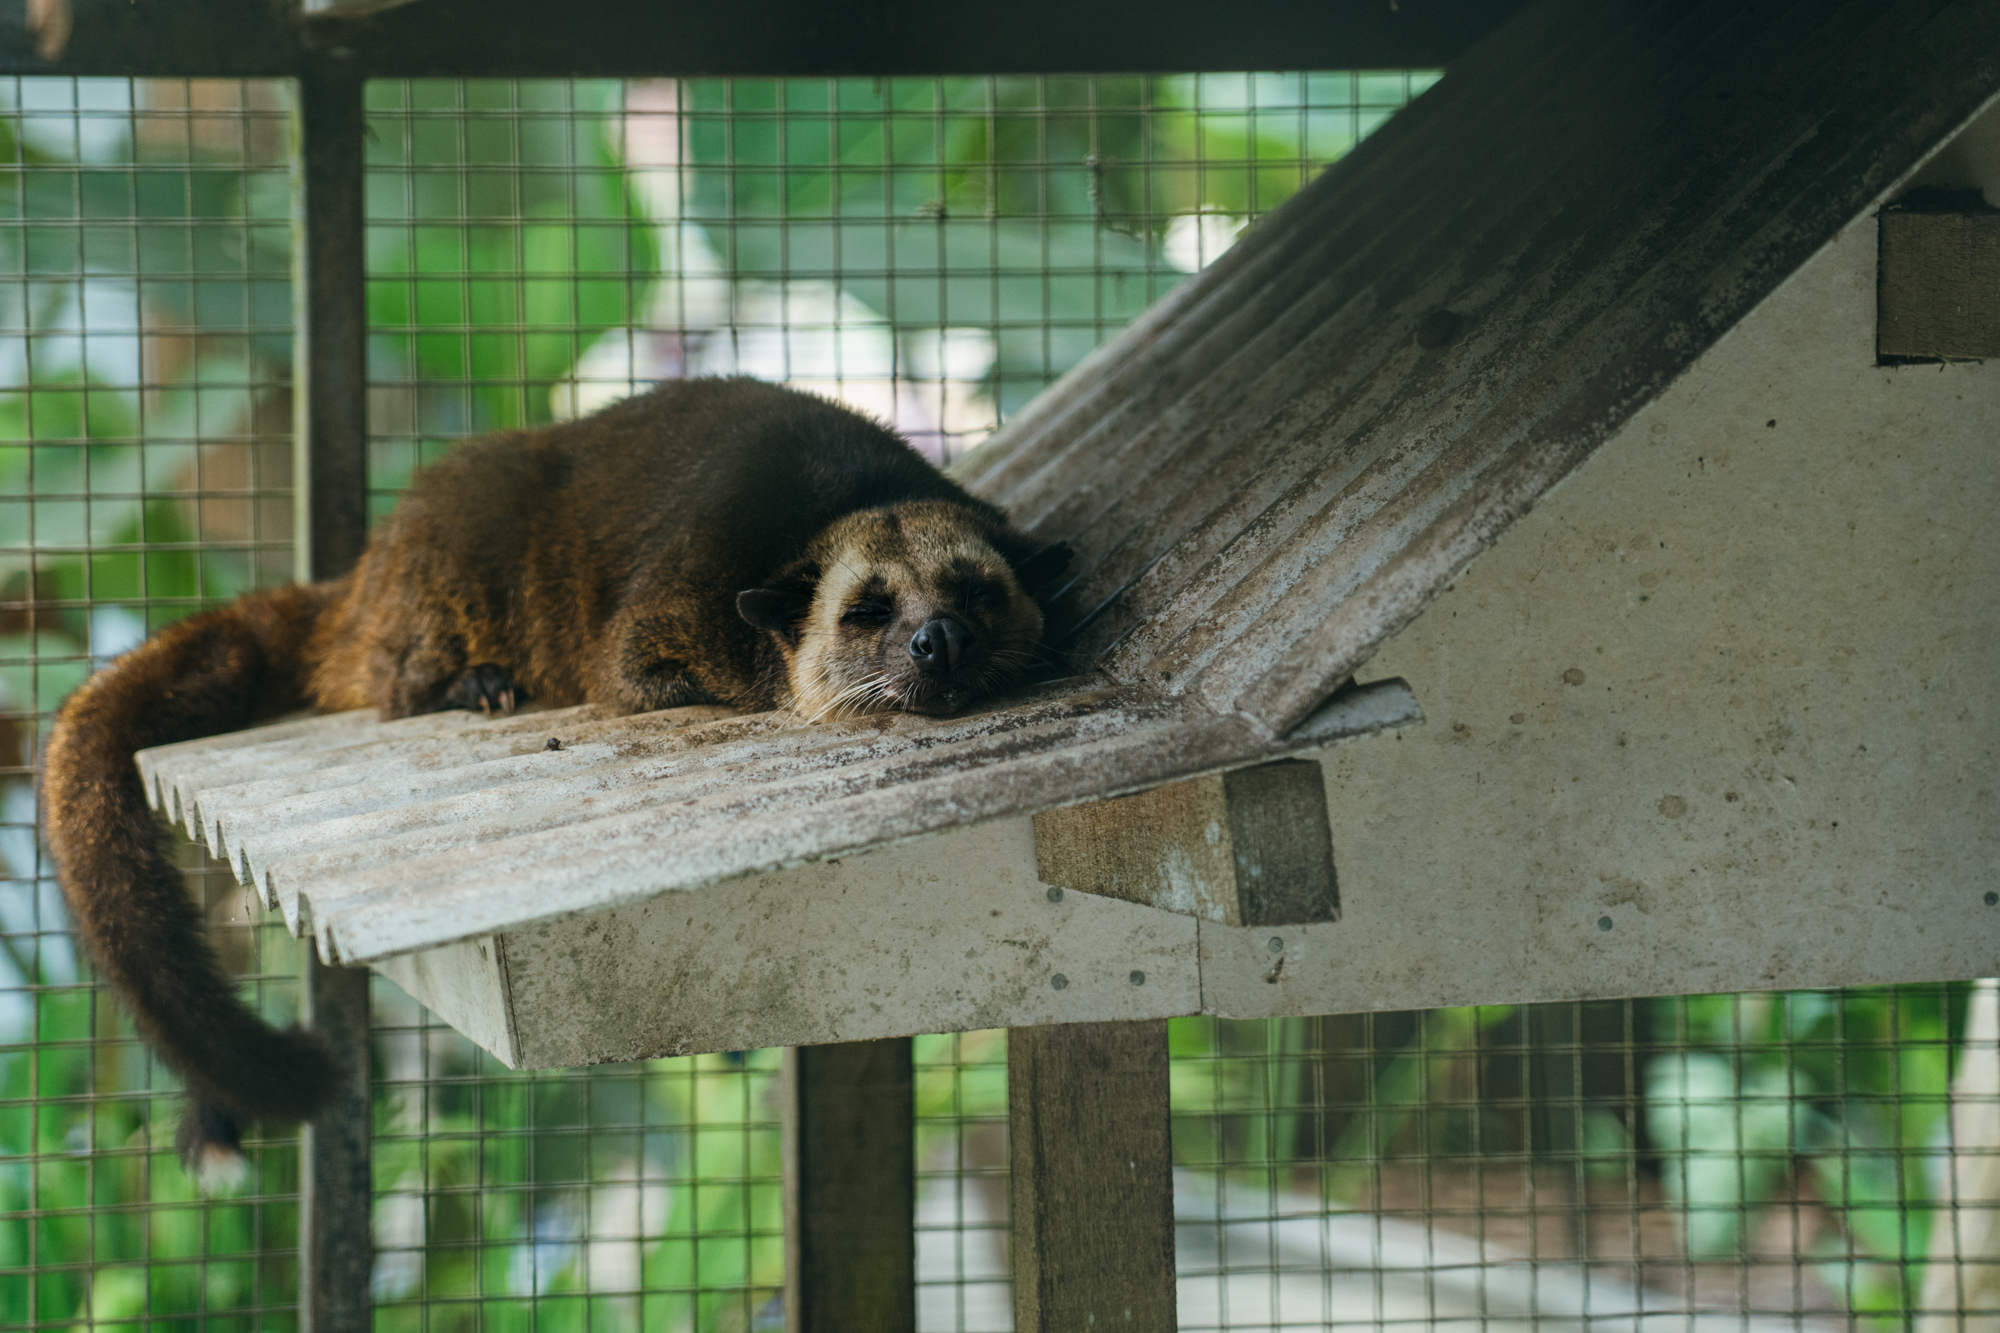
(977, 591)
(869, 609)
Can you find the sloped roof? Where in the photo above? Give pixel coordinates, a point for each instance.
(1270, 472)
(1265, 476)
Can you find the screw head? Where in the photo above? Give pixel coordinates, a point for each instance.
(1055, 895)
(1604, 923)
(1992, 898)
(1276, 945)
(1059, 981)
(1138, 978)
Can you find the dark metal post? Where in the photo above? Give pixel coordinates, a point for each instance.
(330, 428)
(330, 379)
(849, 1113)
(1092, 1187)
(336, 1251)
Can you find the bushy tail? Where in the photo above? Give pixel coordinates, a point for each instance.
(210, 673)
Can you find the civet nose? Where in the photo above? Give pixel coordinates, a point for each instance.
(937, 647)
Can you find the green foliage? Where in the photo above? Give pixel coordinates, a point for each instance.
(1238, 1093)
(669, 1167)
(1747, 1102)
(73, 1164)
(1838, 1094)
(496, 255)
(1036, 208)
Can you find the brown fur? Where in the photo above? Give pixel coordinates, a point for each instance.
(718, 541)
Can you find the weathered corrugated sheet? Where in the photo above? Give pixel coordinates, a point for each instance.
(1265, 477)
(388, 837)
(1279, 466)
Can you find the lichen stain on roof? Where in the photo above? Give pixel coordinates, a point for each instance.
(1267, 475)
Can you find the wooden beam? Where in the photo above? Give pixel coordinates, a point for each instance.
(1938, 290)
(639, 38)
(1092, 1188)
(820, 37)
(1248, 848)
(336, 1251)
(849, 1117)
(190, 38)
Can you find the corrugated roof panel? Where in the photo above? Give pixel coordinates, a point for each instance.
(1272, 476)
(476, 828)
(1265, 476)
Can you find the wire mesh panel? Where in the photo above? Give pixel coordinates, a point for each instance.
(934, 251)
(1802, 1160)
(145, 472)
(627, 1196)
(963, 1273)
(1810, 1159)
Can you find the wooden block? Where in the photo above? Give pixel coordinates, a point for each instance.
(1091, 1188)
(1938, 291)
(849, 1123)
(1249, 848)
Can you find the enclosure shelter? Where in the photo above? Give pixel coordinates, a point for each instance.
(1277, 477)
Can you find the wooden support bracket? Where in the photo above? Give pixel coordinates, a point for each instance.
(1092, 1187)
(849, 1121)
(1938, 291)
(1249, 848)
(1092, 1183)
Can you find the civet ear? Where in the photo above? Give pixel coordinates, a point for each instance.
(780, 606)
(1036, 565)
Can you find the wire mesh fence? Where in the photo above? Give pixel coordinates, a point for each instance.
(934, 251)
(1764, 1161)
(1804, 1160)
(145, 438)
(629, 1196)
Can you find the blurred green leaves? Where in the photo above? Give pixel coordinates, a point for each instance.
(1840, 1096)
(504, 237)
(97, 1221)
(1726, 1142)
(644, 1193)
(1037, 208)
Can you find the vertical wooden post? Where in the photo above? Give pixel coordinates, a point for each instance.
(336, 1251)
(1090, 1141)
(1092, 1188)
(849, 1112)
(330, 431)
